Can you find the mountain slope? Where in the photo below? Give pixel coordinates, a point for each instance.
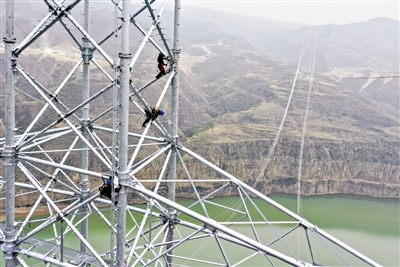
(233, 97)
(352, 135)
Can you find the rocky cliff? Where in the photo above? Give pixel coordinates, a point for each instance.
(327, 167)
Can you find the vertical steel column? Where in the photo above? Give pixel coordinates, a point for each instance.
(9, 148)
(174, 127)
(123, 172)
(85, 184)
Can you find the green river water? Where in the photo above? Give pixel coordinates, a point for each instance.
(369, 225)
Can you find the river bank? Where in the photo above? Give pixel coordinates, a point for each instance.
(21, 213)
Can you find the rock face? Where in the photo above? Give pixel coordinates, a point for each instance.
(327, 167)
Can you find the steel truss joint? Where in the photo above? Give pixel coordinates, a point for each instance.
(176, 53)
(87, 53)
(8, 246)
(164, 218)
(302, 224)
(125, 55)
(171, 219)
(53, 97)
(9, 152)
(231, 182)
(13, 58)
(175, 144)
(60, 217)
(210, 228)
(53, 178)
(86, 124)
(124, 178)
(8, 40)
(86, 192)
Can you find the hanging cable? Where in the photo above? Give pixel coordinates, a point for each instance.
(272, 148)
(303, 133)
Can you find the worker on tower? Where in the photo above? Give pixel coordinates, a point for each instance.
(152, 114)
(105, 190)
(160, 65)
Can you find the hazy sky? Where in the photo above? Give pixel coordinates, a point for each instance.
(312, 12)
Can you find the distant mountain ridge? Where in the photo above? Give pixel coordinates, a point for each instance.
(236, 24)
(360, 55)
(375, 37)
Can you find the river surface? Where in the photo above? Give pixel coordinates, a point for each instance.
(369, 225)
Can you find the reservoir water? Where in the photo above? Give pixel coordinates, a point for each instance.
(369, 225)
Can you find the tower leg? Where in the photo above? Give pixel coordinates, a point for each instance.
(174, 126)
(123, 174)
(85, 184)
(9, 148)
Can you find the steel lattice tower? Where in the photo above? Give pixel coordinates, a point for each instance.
(96, 130)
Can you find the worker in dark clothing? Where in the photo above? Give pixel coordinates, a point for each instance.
(105, 190)
(160, 65)
(152, 114)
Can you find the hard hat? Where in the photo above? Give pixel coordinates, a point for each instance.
(162, 112)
